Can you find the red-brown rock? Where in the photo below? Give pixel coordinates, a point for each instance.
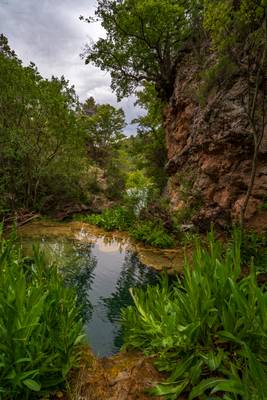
(211, 142)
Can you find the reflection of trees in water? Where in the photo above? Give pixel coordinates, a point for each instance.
(133, 274)
(79, 273)
(77, 264)
(74, 259)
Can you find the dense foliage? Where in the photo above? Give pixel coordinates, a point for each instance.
(151, 232)
(40, 326)
(143, 42)
(54, 151)
(42, 153)
(148, 147)
(111, 219)
(147, 41)
(208, 328)
(254, 249)
(103, 125)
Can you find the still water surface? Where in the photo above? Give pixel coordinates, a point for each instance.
(102, 272)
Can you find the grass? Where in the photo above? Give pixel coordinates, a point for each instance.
(40, 326)
(209, 329)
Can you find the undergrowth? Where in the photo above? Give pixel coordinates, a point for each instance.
(40, 326)
(254, 247)
(111, 219)
(208, 329)
(151, 232)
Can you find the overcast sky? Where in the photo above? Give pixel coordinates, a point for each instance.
(49, 33)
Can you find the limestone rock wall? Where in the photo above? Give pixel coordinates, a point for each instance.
(210, 151)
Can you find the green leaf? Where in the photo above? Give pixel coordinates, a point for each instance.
(32, 385)
(229, 336)
(170, 388)
(203, 386)
(229, 385)
(21, 360)
(213, 360)
(79, 339)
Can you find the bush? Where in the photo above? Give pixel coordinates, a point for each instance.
(152, 233)
(139, 191)
(209, 329)
(40, 326)
(111, 219)
(121, 218)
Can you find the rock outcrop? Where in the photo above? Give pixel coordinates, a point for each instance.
(210, 151)
(125, 376)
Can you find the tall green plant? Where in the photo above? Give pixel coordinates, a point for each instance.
(209, 329)
(40, 326)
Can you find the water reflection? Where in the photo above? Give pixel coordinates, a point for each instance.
(133, 274)
(102, 273)
(78, 272)
(74, 259)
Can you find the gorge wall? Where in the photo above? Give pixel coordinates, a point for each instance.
(210, 152)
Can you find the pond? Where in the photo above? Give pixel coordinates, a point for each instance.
(101, 269)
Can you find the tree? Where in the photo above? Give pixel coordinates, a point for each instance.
(103, 125)
(150, 140)
(40, 139)
(89, 107)
(144, 41)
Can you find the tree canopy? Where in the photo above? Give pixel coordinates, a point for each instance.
(143, 42)
(40, 137)
(103, 126)
(149, 147)
(146, 40)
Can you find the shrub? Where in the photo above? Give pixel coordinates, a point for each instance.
(152, 233)
(111, 219)
(121, 218)
(140, 190)
(209, 329)
(40, 326)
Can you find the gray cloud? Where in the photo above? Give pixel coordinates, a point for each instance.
(49, 33)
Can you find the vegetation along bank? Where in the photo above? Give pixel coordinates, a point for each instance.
(193, 174)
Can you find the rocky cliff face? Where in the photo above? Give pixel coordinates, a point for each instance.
(210, 151)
